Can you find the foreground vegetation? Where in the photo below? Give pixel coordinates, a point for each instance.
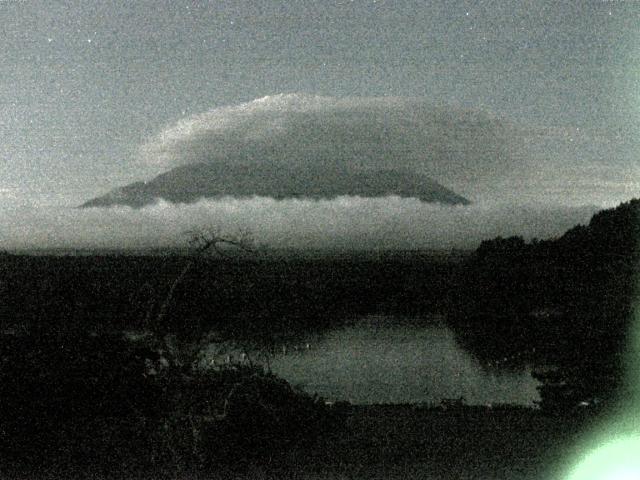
(102, 403)
(368, 442)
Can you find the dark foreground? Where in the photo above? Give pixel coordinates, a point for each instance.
(472, 443)
(399, 441)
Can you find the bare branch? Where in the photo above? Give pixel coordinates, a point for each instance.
(203, 241)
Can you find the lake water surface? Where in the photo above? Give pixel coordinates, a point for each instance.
(385, 360)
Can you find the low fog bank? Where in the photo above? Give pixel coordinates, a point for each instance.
(345, 222)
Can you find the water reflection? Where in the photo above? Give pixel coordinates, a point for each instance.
(381, 359)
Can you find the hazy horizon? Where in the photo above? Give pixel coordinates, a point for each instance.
(343, 223)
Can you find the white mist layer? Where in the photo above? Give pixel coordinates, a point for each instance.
(345, 222)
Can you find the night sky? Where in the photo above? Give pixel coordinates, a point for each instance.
(91, 93)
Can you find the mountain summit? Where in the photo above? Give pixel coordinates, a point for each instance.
(190, 183)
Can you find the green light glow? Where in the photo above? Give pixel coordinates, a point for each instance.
(617, 460)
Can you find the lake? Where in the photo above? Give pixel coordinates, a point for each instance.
(379, 359)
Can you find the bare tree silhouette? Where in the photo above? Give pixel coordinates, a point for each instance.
(201, 242)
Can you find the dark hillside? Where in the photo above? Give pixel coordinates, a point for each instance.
(562, 302)
(253, 296)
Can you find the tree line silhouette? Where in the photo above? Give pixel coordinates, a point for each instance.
(569, 300)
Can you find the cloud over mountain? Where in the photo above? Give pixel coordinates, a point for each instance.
(474, 153)
(453, 146)
(308, 171)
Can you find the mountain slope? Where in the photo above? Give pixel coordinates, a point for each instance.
(187, 184)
